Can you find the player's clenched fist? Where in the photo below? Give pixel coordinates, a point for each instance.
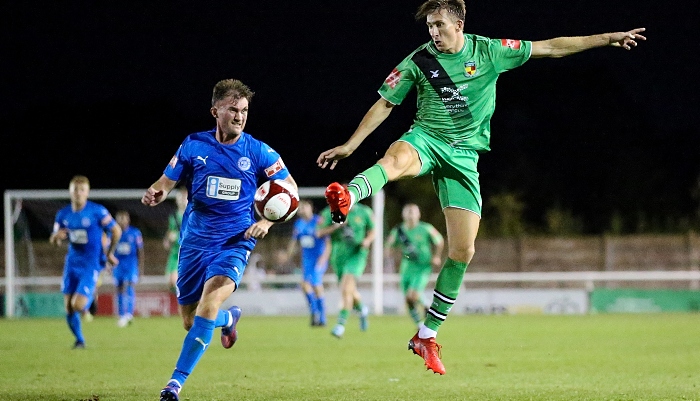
(152, 197)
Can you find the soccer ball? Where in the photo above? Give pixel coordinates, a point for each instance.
(276, 200)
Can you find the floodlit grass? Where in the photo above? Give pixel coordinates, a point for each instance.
(597, 357)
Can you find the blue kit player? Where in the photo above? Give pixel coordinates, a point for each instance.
(82, 224)
(126, 274)
(314, 259)
(224, 167)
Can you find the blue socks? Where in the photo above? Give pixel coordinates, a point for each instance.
(321, 310)
(222, 318)
(131, 298)
(74, 325)
(196, 342)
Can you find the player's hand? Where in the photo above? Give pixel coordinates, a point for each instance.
(259, 229)
(628, 39)
(112, 260)
(58, 237)
(333, 155)
(435, 261)
(152, 197)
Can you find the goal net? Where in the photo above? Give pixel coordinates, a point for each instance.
(270, 285)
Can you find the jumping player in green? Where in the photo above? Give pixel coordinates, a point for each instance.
(420, 247)
(455, 78)
(350, 244)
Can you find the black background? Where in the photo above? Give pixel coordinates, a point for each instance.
(110, 89)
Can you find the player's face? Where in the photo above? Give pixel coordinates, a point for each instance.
(445, 31)
(123, 220)
(305, 210)
(410, 214)
(231, 115)
(79, 193)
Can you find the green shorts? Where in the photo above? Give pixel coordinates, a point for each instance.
(171, 265)
(455, 178)
(414, 277)
(347, 259)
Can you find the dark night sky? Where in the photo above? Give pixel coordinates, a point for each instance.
(110, 91)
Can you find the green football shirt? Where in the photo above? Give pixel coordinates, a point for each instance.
(354, 230)
(415, 243)
(456, 93)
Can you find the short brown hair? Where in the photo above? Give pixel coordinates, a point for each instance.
(79, 179)
(231, 87)
(454, 7)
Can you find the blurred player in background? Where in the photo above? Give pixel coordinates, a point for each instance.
(91, 310)
(314, 259)
(126, 274)
(419, 247)
(225, 166)
(350, 244)
(171, 241)
(455, 78)
(82, 224)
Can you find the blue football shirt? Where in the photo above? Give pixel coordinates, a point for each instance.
(84, 234)
(223, 181)
(304, 232)
(127, 249)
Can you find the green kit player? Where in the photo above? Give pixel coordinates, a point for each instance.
(455, 79)
(419, 247)
(350, 244)
(171, 241)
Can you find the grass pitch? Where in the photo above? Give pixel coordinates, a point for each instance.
(524, 357)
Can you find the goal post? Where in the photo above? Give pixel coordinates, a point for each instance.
(50, 200)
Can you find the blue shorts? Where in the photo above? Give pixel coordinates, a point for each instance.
(312, 272)
(196, 266)
(122, 275)
(80, 281)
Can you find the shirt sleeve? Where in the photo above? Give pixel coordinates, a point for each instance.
(179, 163)
(368, 217)
(507, 54)
(271, 165)
(399, 82)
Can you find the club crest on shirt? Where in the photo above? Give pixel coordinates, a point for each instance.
(470, 69)
(393, 79)
(512, 43)
(244, 164)
(275, 168)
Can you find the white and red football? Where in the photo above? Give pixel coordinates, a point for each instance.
(276, 200)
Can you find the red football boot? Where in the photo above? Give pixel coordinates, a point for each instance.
(429, 350)
(338, 199)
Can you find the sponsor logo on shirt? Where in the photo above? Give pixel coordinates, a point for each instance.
(470, 68)
(275, 168)
(512, 43)
(173, 161)
(223, 188)
(393, 78)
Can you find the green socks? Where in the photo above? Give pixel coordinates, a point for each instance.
(343, 316)
(367, 183)
(446, 289)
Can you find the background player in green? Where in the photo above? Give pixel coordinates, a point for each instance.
(350, 244)
(419, 247)
(455, 78)
(171, 241)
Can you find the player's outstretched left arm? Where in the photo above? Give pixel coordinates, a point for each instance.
(568, 45)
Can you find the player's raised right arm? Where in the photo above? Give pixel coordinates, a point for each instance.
(157, 192)
(376, 114)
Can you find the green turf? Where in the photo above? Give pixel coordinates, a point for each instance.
(597, 357)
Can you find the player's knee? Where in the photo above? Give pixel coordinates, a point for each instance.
(462, 253)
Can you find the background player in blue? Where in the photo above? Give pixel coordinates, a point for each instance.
(82, 223)
(131, 258)
(225, 166)
(314, 259)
